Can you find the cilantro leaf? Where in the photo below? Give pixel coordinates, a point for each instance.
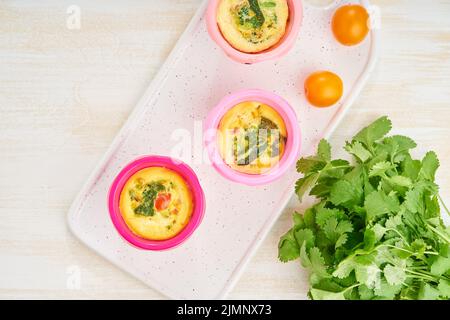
(440, 266)
(317, 262)
(318, 294)
(341, 240)
(378, 203)
(324, 150)
(444, 288)
(309, 164)
(358, 150)
(334, 229)
(305, 236)
(304, 258)
(304, 184)
(313, 260)
(374, 131)
(368, 275)
(365, 293)
(394, 275)
(411, 168)
(400, 181)
(394, 221)
(380, 168)
(309, 217)
(397, 147)
(414, 200)
(344, 268)
(345, 193)
(430, 164)
(428, 292)
(288, 248)
(386, 290)
(323, 214)
(298, 220)
(376, 231)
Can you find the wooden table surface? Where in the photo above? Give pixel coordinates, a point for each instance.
(65, 93)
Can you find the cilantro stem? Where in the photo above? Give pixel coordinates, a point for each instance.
(397, 232)
(395, 247)
(426, 275)
(432, 253)
(340, 167)
(443, 236)
(418, 268)
(411, 252)
(421, 275)
(351, 287)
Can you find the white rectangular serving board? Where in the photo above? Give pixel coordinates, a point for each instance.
(194, 78)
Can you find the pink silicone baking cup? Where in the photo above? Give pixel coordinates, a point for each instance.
(280, 49)
(156, 161)
(293, 142)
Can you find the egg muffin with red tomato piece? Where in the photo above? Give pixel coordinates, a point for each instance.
(156, 203)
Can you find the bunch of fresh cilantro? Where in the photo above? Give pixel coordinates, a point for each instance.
(376, 231)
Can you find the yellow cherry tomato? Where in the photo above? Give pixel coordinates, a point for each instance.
(323, 88)
(350, 24)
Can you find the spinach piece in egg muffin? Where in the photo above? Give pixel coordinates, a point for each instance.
(253, 142)
(255, 20)
(268, 4)
(259, 16)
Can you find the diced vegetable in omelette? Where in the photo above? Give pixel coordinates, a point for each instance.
(253, 25)
(156, 203)
(252, 137)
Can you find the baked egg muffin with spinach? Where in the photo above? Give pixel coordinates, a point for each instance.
(252, 137)
(156, 203)
(253, 26)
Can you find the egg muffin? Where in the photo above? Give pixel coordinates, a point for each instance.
(253, 26)
(156, 203)
(252, 137)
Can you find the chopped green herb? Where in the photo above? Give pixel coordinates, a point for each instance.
(243, 15)
(250, 16)
(133, 195)
(146, 206)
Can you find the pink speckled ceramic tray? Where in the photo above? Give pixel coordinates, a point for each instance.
(195, 77)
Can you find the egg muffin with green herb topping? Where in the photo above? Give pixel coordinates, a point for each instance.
(253, 26)
(252, 137)
(156, 203)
